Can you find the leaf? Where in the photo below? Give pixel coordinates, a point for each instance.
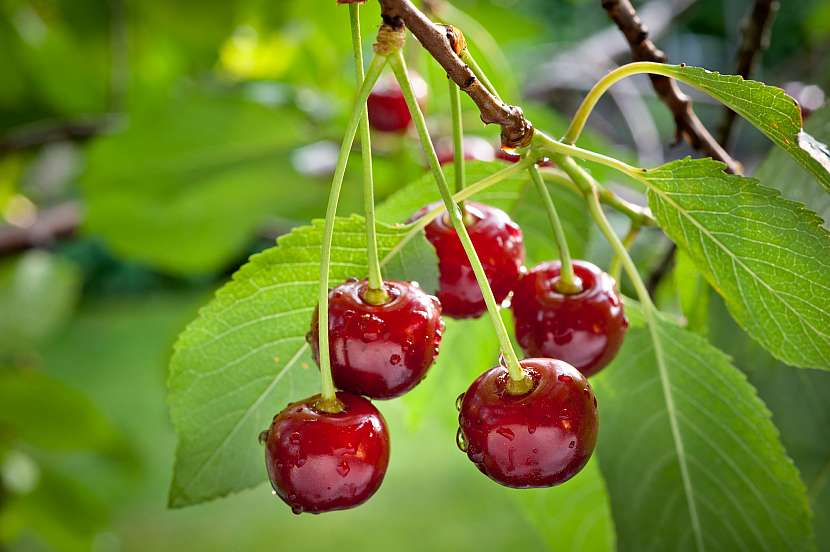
(769, 108)
(35, 409)
(767, 256)
(246, 355)
(800, 405)
(689, 454)
(693, 292)
(185, 187)
(782, 173)
(516, 196)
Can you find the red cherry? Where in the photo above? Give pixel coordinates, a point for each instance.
(475, 149)
(511, 157)
(584, 329)
(319, 462)
(381, 351)
(538, 439)
(498, 242)
(387, 107)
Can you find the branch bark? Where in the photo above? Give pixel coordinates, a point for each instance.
(516, 130)
(689, 126)
(51, 224)
(755, 33)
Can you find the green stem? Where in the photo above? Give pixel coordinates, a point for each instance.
(585, 181)
(568, 282)
(457, 138)
(616, 263)
(328, 400)
(376, 294)
(520, 382)
(545, 143)
(468, 58)
(602, 86)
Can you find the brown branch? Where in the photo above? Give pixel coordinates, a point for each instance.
(516, 130)
(51, 224)
(755, 32)
(689, 126)
(39, 134)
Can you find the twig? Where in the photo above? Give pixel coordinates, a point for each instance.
(755, 32)
(516, 130)
(39, 134)
(642, 48)
(51, 224)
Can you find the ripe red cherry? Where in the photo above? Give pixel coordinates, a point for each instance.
(387, 106)
(475, 149)
(584, 329)
(381, 351)
(515, 158)
(537, 439)
(498, 242)
(319, 462)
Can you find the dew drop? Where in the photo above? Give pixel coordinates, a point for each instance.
(296, 510)
(273, 493)
(262, 437)
(295, 438)
(564, 378)
(395, 360)
(595, 402)
(531, 429)
(461, 440)
(343, 468)
(506, 432)
(458, 400)
(572, 444)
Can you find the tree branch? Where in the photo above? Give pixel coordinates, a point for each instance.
(516, 130)
(39, 134)
(51, 224)
(689, 126)
(755, 32)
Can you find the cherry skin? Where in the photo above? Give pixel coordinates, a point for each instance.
(387, 107)
(498, 242)
(381, 351)
(584, 329)
(538, 439)
(475, 149)
(319, 462)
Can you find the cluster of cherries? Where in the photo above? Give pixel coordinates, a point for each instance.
(319, 460)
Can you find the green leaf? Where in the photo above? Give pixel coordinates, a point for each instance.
(769, 108)
(689, 454)
(35, 409)
(767, 256)
(246, 355)
(779, 171)
(800, 405)
(186, 186)
(693, 292)
(516, 196)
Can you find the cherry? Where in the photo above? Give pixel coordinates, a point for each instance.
(319, 462)
(387, 106)
(584, 329)
(475, 149)
(538, 439)
(381, 351)
(515, 158)
(498, 242)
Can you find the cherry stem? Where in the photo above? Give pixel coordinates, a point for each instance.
(328, 398)
(606, 82)
(586, 182)
(376, 294)
(568, 282)
(457, 140)
(546, 144)
(616, 263)
(522, 382)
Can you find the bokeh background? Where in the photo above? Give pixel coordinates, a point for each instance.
(147, 147)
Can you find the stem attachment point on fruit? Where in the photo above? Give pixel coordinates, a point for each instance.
(329, 405)
(519, 387)
(375, 297)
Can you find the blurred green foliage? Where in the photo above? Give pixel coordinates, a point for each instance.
(193, 132)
